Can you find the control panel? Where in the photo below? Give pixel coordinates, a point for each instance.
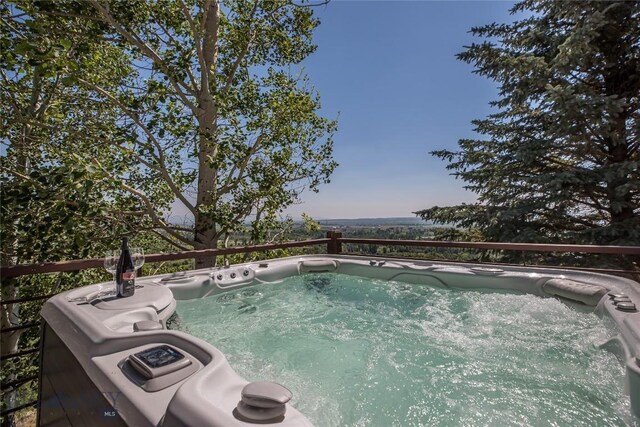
(158, 361)
(158, 367)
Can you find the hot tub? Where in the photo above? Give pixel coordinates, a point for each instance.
(88, 341)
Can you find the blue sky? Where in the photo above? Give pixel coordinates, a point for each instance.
(388, 69)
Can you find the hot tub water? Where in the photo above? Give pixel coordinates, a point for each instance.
(362, 352)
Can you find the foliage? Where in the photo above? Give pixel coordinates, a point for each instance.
(112, 110)
(144, 103)
(54, 206)
(310, 225)
(209, 111)
(56, 213)
(559, 161)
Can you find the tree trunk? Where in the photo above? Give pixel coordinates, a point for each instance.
(206, 236)
(10, 313)
(618, 82)
(618, 153)
(9, 316)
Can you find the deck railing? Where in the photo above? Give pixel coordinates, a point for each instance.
(333, 242)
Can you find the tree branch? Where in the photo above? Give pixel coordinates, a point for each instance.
(168, 240)
(82, 133)
(243, 52)
(12, 27)
(146, 50)
(175, 43)
(150, 208)
(163, 168)
(228, 184)
(71, 15)
(14, 100)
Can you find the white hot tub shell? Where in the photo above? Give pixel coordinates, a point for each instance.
(88, 337)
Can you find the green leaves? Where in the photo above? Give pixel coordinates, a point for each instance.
(558, 161)
(55, 214)
(57, 203)
(130, 108)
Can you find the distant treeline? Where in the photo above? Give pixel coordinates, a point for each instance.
(372, 222)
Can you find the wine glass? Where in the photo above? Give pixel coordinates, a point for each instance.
(137, 254)
(111, 262)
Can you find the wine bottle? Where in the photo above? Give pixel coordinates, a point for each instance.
(125, 272)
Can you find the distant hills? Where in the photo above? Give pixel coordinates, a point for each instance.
(373, 222)
(409, 221)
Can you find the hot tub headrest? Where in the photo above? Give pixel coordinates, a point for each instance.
(317, 265)
(577, 291)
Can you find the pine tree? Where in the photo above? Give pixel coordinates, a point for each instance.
(559, 160)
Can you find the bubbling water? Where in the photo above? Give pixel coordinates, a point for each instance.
(361, 352)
